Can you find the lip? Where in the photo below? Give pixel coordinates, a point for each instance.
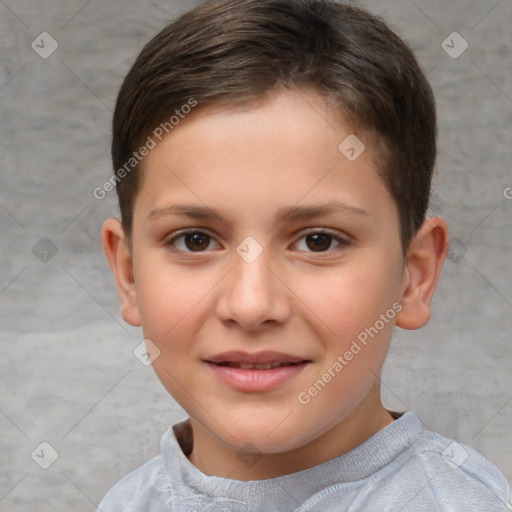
(252, 379)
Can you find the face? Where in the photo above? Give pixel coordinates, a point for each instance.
(257, 241)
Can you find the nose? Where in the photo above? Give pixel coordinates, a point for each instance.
(253, 295)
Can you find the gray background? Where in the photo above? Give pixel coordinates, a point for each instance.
(68, 374)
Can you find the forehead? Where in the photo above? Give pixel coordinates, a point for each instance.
(291, 147)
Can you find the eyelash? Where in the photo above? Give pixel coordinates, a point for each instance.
(343, 242)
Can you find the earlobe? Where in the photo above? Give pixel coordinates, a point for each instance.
(120, 260)
(425, 259)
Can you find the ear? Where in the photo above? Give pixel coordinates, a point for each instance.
(426, 255)
(116, 247)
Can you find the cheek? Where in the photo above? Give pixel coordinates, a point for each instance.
(171, 304)
(347, 299)
(167, 297)
(349, 303)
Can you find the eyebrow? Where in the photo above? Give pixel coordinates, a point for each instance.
(284, 214)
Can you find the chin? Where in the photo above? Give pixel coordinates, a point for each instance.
(270, 435)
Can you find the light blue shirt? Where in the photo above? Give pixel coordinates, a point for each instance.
(401, 468)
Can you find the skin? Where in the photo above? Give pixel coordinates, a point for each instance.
(196, 302)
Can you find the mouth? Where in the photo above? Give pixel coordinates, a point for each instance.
(256, 372)
(264, 360)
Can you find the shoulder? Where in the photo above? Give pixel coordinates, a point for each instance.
(141, 490)
(455, 476)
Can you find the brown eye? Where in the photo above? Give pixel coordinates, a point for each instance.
(198, 241)
(319, 241)
(190, 241)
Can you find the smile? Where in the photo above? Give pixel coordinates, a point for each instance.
(255, 372)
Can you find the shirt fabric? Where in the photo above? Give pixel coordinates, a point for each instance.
(401, 468)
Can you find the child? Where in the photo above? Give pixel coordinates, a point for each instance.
(273, 165)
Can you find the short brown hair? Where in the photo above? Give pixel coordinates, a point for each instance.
(233, 52)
